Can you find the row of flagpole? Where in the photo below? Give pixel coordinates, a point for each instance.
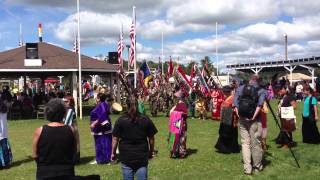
(132, 56)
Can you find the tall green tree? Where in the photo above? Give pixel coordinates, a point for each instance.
(210, 67)
(189, 66)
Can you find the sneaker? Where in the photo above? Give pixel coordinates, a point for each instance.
(93, 162)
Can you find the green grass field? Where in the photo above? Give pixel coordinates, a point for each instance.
(203, 163)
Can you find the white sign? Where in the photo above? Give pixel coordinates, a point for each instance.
(32, 62)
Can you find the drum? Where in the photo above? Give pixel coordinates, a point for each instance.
(116, 107)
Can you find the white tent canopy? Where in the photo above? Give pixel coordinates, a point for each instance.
(297, 77)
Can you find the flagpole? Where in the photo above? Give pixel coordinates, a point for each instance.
(162, 52)
(217, 49)
(20, 36)
(79, 61)
(135, 48)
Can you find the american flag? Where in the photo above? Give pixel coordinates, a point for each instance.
(133, 40)
(120, 47)
(75, 45)
(20, 43)
(20, 38)
(158, 71)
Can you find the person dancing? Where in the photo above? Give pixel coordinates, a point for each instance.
(134, 134)
(178, 128)
(228, 131)
(288, 103)
(101, 129)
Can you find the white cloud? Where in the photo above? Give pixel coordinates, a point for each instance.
(99, 6)
(95, 28)
(300, 7)
(154, 29)
(226, 12)
(144, 52)
(249, 29)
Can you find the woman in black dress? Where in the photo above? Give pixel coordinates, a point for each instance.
(287, 124)
(310, 132)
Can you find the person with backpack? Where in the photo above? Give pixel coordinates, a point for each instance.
(248, 102)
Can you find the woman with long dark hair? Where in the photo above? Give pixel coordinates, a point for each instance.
(101, 129)
(287, 103)
(134, 133)
(310, 132)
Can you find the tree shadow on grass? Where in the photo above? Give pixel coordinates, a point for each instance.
(85, 160)
(18, 163)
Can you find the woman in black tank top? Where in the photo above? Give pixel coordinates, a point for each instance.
(54, 145)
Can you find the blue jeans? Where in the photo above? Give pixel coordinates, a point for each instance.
(128, 173)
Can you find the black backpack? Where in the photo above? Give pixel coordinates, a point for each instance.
(248, 101)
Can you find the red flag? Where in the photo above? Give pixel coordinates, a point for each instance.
(133, 40)
(192, 73)
(183, 76)
(170, 67)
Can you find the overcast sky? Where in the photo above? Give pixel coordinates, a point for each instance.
(249, 30)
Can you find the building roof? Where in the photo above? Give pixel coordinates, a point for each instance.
(54, 59)
(272, 66)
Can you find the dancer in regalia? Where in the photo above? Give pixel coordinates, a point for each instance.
(178, 128)
(101, 129)
(228, 131)
(287, 103)
(217, 99)
(201, 107)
